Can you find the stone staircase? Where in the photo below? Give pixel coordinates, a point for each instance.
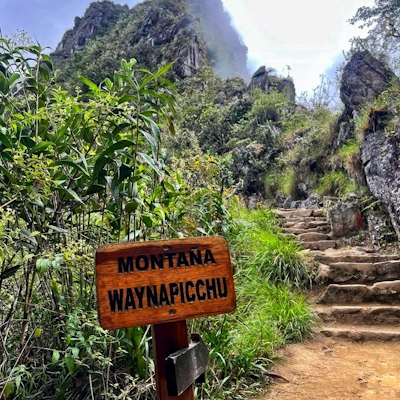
(358, 292)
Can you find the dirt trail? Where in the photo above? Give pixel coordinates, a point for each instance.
(337, 369)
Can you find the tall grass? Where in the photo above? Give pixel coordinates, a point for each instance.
(269, 272)
(260, 249)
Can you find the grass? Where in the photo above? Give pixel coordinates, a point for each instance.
(269, 274)
(336, 183)
(261, 250)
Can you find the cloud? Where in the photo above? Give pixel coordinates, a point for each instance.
(305, 35)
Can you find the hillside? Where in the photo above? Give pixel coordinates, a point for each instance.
(154, 32)
(269, 146)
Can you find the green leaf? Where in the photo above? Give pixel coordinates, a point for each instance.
(108, 83)
(118, 146)
(55, 357)
(95, 188)
(73, 165)
(41, 147)
(126, 98)
(171, 125)
(4, 86)
(201, 230)
(9, 272)
(168, 83)
(72, 193)
(125, 66)
(58, 229)
(147, 221)
(151, 164)
(9, 389)
(131, 207)
(13, 79)
(82, 157)
(125, 172)
(87, 135)
(119, 128)
(91, 85)
(38, 332)
(164, 69)
(42, 266)
(75, 352)
(76, 122)
(7, 174)
(70, 363)
(153, 144)
(155, 130)
(5, 140)
(99, 165)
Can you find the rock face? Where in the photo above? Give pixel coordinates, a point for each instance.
(266, 81)
(381, 159)
(99, 17)
(364, 78)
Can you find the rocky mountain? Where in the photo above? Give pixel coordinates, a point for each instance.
(226, 51)
(191, 33)
(98, 19)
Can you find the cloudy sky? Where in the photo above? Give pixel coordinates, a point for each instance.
(308, 36)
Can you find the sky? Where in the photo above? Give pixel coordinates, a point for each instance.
(307, 36)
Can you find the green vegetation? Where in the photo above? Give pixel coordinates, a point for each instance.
(270, 312)
(80, 171)
(262, 251)
(383, 23)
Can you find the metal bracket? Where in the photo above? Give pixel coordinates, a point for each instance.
(186, 366)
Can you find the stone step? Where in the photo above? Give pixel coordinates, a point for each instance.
(335, 256)
(360, 314)
(321, 245)
(306, 224)
(316, 224)
(290, 213)
(313, 237)
(299, 231)
(344, 272)
(383, 292)
(385, 333)
(303, 219)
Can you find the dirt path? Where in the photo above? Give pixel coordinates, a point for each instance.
(336, 369)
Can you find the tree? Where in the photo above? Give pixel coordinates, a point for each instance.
(383, 22)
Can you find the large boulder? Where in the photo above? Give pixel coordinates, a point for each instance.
(364, 78)
(345, 218)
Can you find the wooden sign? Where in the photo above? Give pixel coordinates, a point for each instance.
(144, 283)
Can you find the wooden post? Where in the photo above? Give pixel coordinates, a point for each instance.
(167, 339)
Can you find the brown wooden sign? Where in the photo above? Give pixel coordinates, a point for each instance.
(146, 283)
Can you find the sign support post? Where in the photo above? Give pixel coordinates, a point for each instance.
(167, 339)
